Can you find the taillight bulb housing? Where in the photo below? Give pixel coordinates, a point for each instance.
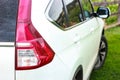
(32, 51)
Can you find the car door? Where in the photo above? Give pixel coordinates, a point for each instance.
(77, 42)
(8, 13)
(79, 30)
(88, 38)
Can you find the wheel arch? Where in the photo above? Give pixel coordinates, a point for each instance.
(103, 32)
(78, 73)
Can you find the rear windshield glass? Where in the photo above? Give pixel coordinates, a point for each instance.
(8, 15)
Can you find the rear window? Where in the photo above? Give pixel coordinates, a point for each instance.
(8, 16)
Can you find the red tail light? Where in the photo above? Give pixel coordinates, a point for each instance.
(32, 51)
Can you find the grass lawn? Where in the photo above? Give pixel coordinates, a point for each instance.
(111, 68)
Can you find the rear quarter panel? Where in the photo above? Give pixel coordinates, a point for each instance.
(7, 61)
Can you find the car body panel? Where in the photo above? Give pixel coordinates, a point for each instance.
(7, 61)
(74, 46)
(49, 72)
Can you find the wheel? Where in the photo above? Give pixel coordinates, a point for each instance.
(102, 53)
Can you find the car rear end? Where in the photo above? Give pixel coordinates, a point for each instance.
(8, 14)
(24, 53)
(35, 58)
(30, 45)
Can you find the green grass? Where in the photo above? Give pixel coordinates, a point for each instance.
(111, 68)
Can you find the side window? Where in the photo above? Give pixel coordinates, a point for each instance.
(57, 14)
(74, 12)
(87, 8)
(65, 13)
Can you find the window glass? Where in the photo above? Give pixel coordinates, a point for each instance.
(87, 8)
(65, 12)
(57, 14)
(8, 16)
(74, 12)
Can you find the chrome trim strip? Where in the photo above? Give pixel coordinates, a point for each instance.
(7, 44)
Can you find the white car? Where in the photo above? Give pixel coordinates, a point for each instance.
(52, 40)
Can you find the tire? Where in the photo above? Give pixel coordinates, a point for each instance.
(102, 53)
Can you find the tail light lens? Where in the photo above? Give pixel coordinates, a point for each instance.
(32, 51)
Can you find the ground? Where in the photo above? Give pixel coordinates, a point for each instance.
(111, 68)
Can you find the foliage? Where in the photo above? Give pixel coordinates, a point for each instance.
(96, 0)
(113, 9)
(111, 68)
(111, 20)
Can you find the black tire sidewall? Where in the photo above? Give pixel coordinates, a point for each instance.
(103, 39)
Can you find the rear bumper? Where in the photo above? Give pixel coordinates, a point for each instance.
(55, 70)
(7, 61)
(7, 44)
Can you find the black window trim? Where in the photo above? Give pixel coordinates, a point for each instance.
(66, 13)
(83, 16)
(91, 6)
(83, 9)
